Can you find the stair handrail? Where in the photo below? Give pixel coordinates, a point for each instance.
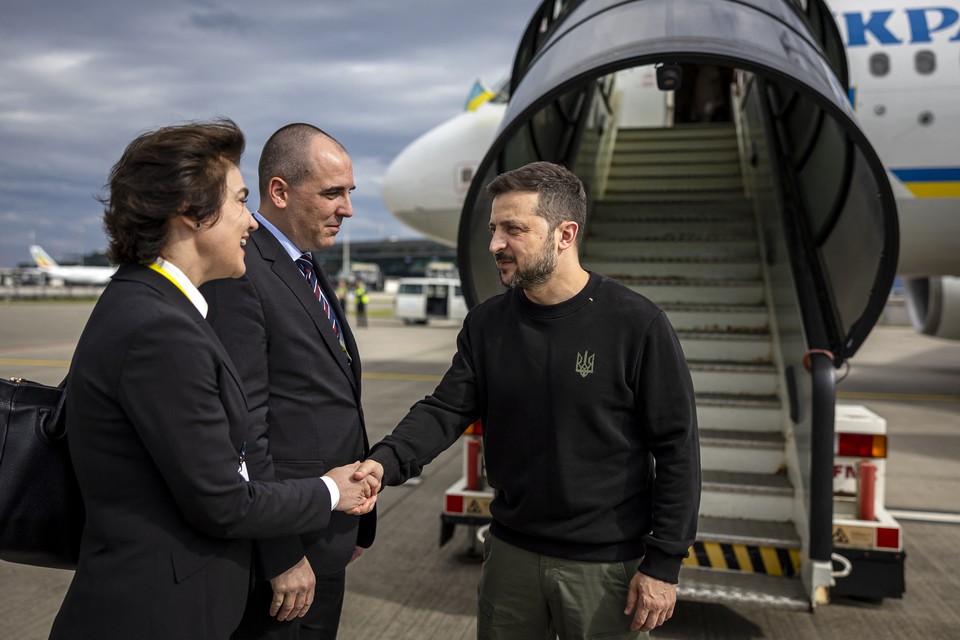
(811, 287)
(818, 332)
(820, 364)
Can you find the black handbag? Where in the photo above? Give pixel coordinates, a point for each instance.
(41, 509)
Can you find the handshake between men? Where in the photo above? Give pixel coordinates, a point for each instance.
(358, 491)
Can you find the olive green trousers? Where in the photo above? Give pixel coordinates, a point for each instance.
(528, 596)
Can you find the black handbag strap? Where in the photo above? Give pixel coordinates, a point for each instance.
(55, 427)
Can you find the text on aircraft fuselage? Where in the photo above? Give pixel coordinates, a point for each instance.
(887, 27)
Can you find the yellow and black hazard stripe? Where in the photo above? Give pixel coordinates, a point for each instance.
(738, 557)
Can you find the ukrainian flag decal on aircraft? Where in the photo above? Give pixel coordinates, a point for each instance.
(930, 182)
(478, 95)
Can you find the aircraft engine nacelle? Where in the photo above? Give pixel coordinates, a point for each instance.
(934, 306)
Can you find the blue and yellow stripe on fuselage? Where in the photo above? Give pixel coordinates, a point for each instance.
(930, 182)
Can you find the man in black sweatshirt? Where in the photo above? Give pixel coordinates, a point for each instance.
(589, 426)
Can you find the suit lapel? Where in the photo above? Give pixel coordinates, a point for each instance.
(287, 272)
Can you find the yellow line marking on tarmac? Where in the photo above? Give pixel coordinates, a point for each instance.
(26, 362)
(917, 397)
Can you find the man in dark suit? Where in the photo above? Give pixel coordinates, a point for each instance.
(289, 338)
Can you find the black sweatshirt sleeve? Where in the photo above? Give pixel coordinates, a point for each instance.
(434, 423)
(667, 410)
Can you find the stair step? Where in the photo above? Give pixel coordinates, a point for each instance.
(601, 229)
(746, 546)
(741, 588)
(704, 291)
(718, 318)
(625, 228)
(741, 439)
(743, 412)
(746, 451)
(690, 196)
(720, 188)
(691, 232)
(678, 250)
(673, 170)
(632, 182)
(734, 494)
(760, 496)
(737, 269)
(673, 145)
(651, 154)
(700, 131)
(718, 345)
(761, 533)
(755, 484)
(740, 209)
(734, 378)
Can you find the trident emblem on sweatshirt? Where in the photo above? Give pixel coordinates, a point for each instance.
(585, 363)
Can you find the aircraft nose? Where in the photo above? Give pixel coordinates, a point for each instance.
(425, 185)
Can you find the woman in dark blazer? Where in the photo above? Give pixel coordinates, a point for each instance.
(157, 415)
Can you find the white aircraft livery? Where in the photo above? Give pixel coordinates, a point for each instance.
(904, 85)
(72, 274)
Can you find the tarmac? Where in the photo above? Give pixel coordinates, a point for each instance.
(408, 587)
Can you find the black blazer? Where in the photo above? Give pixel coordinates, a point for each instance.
(157, 420)
(303, 390)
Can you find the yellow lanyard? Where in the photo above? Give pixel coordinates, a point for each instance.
(166, 274)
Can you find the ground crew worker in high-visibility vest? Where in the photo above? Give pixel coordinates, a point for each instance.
(360, 293)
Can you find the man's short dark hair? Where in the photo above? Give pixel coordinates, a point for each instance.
(173, 171)
(560, 193)
(286, 155)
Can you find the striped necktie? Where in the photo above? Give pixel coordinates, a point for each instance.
(306, 268)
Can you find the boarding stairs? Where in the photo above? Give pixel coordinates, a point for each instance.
(673, 223)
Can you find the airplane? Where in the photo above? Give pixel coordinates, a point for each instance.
(80, 275)
(903, 86)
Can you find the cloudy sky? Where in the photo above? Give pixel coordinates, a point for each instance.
(79, 80)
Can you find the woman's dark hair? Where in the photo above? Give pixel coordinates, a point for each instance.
(178, 170)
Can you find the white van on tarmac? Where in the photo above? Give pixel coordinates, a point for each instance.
(421, 299)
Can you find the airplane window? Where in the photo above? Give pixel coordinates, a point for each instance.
(925, 62)
(879, 64)
(466, 175)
